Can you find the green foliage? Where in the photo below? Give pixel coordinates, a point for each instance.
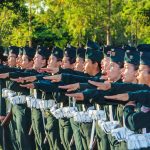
(61, 21)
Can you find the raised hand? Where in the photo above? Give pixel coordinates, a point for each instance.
(29, 86)
(49, 70)
(19, 80)
(76, 96)
(4, 75)
(100, 85)
(71, 87)
(30, 79)
(54, 78)
(120, 97)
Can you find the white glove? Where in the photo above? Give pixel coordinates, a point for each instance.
(46, 104)
(5, 92)
(108, 126)
(57, 113)
(97, 114)
(121, 134)
(138, 141)
(82, 117)
(10, 94)
(69, 111)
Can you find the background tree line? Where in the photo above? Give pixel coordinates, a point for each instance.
(49, 22)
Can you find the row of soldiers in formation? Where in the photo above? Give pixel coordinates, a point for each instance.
(78, 98)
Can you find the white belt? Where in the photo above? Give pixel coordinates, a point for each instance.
(46, 104)
(69, 111)
(82, 116)
(33, 102)
(108, 126)
(64, 112)
(97, 114)
(18, 99)
(138, 141)
(39, 103)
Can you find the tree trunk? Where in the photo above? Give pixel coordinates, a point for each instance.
(30, 24)
(109, 24)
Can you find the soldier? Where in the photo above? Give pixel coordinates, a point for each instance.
(92, 67)
(40, 60)
(79, 66)
(52, 124)
(13, 52)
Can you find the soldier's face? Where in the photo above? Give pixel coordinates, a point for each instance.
(143, 74)
(25, 62)
(39, 62)
(12, 60)
(79, 65)
(90, 67)
(129, 73)
(105, 65)
(66, 63)
(114, 72)
(52, 62)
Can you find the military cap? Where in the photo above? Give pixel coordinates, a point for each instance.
(70, 51)
(93, 52)
(30, 52)
(92, 45)
(43, 51)
(13, 50)
(144, 50)
(132, 56)
(117, 54)
(107, 50)
(57, 52)
(81, 52)
(94, 56)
